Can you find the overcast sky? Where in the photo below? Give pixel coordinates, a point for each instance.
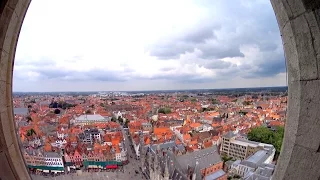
(74, 45)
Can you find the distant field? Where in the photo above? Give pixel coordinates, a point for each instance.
(215, 91)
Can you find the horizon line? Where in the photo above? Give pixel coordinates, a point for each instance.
(150, 90)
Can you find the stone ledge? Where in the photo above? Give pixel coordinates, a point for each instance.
(305, 120)
(6, 172)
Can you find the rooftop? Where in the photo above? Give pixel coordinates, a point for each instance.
(205, 157)
(243, 142)
(20, 111)
(258, 157)
(90, 117)
(215, 175)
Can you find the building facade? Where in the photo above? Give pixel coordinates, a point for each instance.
(238, 148)
(44, 161)
(89, 119)
(163, 164)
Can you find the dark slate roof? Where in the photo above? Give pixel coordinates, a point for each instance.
(178, 166)
(215, 175)
(22, 123)
(205, 157)
(20, 111)
(169, 159)
(229, 135)
(178, 175)
(181, 147)
(217, 119)
(167, 146)
(51, 154)
(92, 131)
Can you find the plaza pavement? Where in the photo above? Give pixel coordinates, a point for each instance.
(128, 174)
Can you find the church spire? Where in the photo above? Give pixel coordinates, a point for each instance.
(149, 161)
(155, 162)
(142, 151)
(166, 169)
(196, 171)
(151, 173)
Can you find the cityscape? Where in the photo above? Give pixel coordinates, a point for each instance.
(156, 135)
(134, 90)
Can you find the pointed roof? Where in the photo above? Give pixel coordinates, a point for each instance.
(166, 168)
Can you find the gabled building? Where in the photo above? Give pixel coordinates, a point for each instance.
(90, 136)
(163, 164)
(44, 161)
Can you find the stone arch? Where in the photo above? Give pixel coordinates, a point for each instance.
(299, 26)
(299, 22)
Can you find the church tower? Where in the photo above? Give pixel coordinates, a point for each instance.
(155, 167)
(151, 172)
(142, 151)
(166, 170)
(196, 171)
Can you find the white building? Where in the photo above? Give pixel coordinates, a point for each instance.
(59, 143)
(118, 114)
(124, 155)
(240, 169)
(61, 134)
(89, 119)
(118, 156)
(239, 148)
(206, 127)
(53, 159)
(258, 163)
(177, 133)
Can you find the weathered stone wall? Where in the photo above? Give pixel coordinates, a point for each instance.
(12, 13)
(299, 25)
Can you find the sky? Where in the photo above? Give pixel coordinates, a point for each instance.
(73, 45)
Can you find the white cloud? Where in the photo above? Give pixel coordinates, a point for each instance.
(96, 43)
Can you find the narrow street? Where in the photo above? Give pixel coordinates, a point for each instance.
(134, 164)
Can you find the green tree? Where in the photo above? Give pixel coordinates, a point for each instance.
(246, 103)
(113, 119)
(191, 134)
(120, 119)
(164, 110)
(225, 159)
(236, 176)
(57, 111)
(266, 135)
(215, 101)
(126, 124)
(207, 109)
(30, 132)
(243, 112)
(88, 111)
